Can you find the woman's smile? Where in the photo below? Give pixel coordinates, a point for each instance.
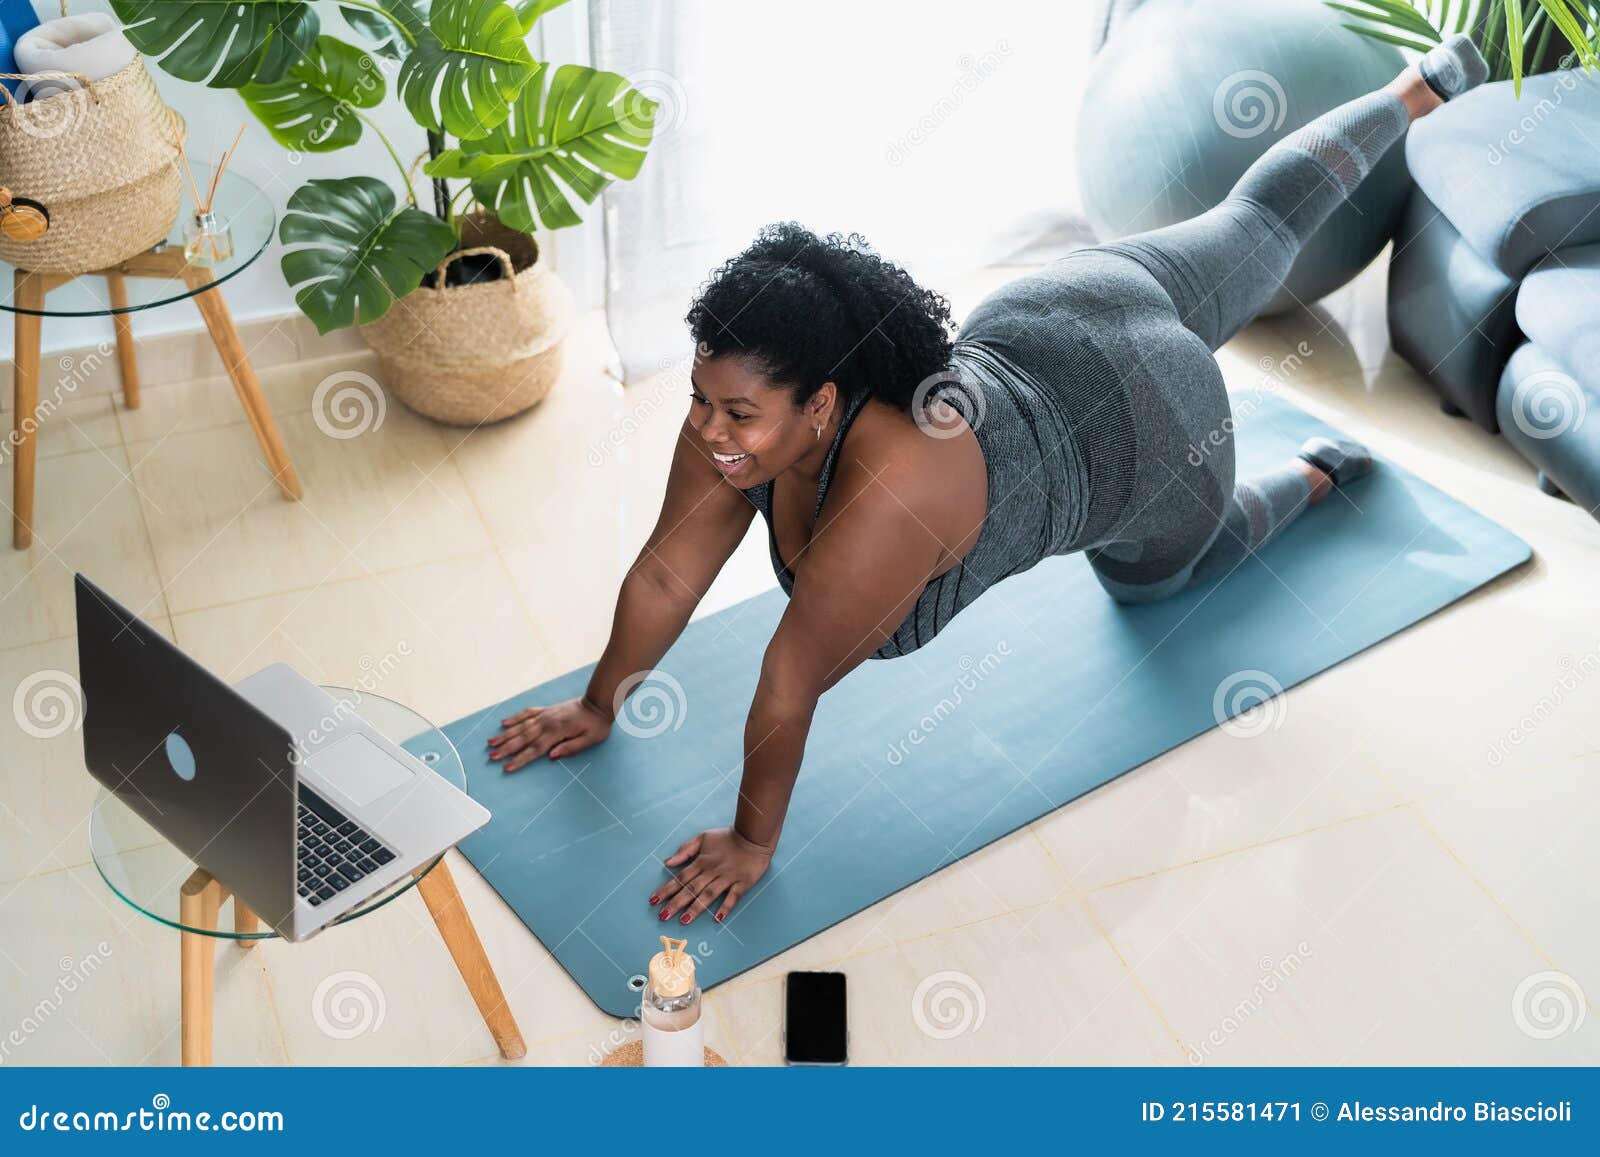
(730, 464)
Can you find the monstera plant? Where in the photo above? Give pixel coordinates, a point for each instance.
(526, 139)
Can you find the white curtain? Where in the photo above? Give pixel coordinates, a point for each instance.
(943, 131)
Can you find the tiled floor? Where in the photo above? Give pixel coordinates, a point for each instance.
(1402, 871)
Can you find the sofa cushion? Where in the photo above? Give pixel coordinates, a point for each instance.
(1452, 315)
(1558, 306)
(1553, 420)
(1518, 177)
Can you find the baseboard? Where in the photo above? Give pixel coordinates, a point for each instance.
(182, 356)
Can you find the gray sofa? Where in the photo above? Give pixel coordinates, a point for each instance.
(1494, 284)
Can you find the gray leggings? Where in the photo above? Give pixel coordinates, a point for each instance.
(1189, 288)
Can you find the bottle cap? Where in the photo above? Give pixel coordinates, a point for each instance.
(672, 970)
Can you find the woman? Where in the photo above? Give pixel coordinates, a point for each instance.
(1092, 418)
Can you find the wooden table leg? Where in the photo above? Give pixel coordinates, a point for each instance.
(439, 892)
(123, 322)
(237, 362)
(245, 922)
(198, 902)
(29, 294)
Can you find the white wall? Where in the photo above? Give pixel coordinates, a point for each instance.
(214, 116)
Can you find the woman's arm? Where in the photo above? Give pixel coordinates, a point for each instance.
(703, 519)
(855, 583)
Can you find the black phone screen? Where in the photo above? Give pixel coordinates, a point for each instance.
(814, 1018)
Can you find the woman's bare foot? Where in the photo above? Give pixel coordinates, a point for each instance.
(1450, 68)
(1317, 478)
(1414, 93)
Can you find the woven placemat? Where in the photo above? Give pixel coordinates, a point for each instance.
(631, 1056)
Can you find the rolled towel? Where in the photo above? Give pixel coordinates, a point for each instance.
(91, 45)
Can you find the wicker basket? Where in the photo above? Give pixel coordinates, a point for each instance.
(101, 159)
(470, 354)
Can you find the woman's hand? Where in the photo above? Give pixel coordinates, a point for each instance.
(557, 730)
(722, 861)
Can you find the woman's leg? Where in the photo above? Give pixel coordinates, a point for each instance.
(1222, 267)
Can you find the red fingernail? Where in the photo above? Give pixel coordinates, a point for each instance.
(655, 899)
(684, 919)
(665, 912)
(718, 917)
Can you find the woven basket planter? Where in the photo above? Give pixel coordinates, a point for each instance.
(101, 159)
(470, 354)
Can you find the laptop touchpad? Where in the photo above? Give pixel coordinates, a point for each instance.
(359, 769)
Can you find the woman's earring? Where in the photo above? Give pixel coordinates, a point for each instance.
(819, 433)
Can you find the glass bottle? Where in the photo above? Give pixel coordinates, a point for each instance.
(669, 1010)
(207, 240)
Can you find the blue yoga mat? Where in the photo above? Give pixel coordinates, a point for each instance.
(915, 762)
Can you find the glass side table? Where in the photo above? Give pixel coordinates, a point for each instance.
(160, 882)
(157, 277)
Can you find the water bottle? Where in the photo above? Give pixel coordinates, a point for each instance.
(669, 1011)
(16, 17)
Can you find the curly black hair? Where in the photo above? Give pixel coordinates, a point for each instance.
(803, 310)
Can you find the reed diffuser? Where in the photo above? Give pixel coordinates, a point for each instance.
(207, 240)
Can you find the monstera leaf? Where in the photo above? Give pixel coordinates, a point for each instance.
(384, 31)
(590, 128)
(312, 110)
(529, 11)
(251, 40)
(359, 253)
(462, 78)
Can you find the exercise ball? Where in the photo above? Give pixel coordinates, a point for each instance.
(1185, 94)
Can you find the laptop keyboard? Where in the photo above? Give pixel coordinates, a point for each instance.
(333, 851)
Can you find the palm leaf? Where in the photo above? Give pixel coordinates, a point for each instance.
(462, 77)
(1369, 31)
(591, 128)
(359, 253)
(233, 42)
(312, 110)
(1577, 35)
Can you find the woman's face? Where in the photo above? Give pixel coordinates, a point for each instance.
(753, 429)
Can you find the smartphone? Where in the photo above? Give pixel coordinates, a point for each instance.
(814, 1021)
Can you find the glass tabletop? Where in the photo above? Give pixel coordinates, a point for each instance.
(146, 872)
(239, 204)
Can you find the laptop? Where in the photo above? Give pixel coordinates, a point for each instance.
(282, 792)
